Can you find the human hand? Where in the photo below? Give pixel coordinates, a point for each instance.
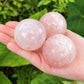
(74, 71)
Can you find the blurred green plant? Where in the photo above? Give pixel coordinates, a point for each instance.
(4, 79)
(75, 18)
(56, 5)
(20, 9)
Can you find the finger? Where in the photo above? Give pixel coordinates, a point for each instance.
(77, 39)
(12, 24)
(7, 30)
(30, 56)
(5, 39)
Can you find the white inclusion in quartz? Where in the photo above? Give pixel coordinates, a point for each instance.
(24, 34)
(30, 34)
(59, 51)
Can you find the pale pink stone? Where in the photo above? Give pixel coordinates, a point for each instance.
(59, 51)
(54, 23)
(30, 34)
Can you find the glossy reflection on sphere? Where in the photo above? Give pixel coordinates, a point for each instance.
(54, 23)
(30, 34)
(59, 51)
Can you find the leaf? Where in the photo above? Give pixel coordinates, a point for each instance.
(72, 0)
(8, 58)
(43, 2)
(79, 82)
(38, 15)
(47, 79)
(66, 82)
(4, 79)
(76, 17)
(32, 3)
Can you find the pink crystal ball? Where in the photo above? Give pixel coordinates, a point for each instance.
(30, 34)
(59, 51)
(54, 23)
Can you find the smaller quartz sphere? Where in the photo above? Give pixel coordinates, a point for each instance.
(59, 51)
(30, 34)
(54, 23)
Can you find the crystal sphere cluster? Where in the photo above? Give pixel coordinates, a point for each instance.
(48, 34)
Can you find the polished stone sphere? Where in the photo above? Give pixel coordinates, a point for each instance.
(59, 51)
(54, 23)
(30, 34)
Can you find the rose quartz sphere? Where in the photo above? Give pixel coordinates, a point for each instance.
(54, 23)
(30, 34)
(59, 51)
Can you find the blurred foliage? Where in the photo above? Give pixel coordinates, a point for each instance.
(26, 74)
(49, 79)
(21, 71)
(75, 18)
(20, 9)
(31, 75)
(8, 58)
(4, 79)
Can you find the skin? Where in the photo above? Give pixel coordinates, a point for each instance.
(74, 71)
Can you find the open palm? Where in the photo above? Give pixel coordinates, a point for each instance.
(73, 71)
